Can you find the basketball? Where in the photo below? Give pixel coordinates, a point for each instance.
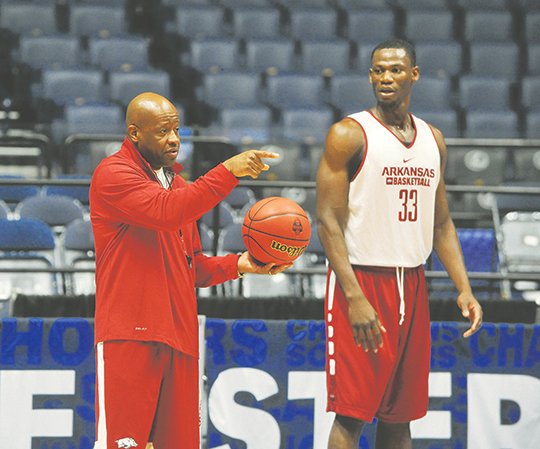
(276, 229)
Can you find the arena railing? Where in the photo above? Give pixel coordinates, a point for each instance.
(219, 148)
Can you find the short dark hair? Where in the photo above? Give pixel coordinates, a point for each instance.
(398, 43)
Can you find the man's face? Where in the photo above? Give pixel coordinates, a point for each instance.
(392, 75)
(157, 138)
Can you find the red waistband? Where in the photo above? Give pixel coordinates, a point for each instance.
(385, 269)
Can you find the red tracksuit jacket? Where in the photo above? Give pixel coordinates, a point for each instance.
(144, 236)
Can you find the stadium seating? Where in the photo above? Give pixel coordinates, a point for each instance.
(488, 26)
(55, 210)
(56, 51)
(126, 53)
(126, 85)
(325, 57)
(245, 123)
(429, 25)
(295, 91)
(270, 55)
(97, 20)
(28, 19)
(306, 125)
(313, 23)
(230, 89)
(370, 25)
(256, 22)
(27, 244)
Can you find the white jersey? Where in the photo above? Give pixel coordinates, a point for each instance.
(392, 196)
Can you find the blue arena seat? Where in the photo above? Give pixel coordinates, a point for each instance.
(350, 93)
(71, 86)
(13, 194)
(370, 25)
(483, 5)
(488, 26)
(80, 193)
(126, 85)
(198, 22)
(446, 121)
(234, 4)
(91, 118)
(313, 23)
(347, 5)
(230, 89)
(533, 59)
(439, 58)
(221, 215)
(246, 123)
(29, 244)
(270, 55)
(532, 26)
(241, 199)
(484, 94)
(429, 25)
(78, 252)
(498, 124)
(97, 20)
(306, 125)
(479, 250)
(485, 58)
(532, 125)
(295, 90)
(326, 57)
(55, 210)
(256, 22)
(431, 94)
(126, 53)
(213, 54)
(423, 4)
(530, 93)
(58, 51)
(28, 18)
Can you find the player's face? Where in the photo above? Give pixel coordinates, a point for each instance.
(158, 139)
(392, 75)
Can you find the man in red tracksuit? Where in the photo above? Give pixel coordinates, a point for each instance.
(148, 263)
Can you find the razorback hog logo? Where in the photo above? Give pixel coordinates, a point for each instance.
(126, 443)
(292, 251)
(297, 227)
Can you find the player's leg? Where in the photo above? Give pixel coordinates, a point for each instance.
(128, 381)
(393, 436)
(345, 433)
(177, 421)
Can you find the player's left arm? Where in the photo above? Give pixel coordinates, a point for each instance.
(446, 244)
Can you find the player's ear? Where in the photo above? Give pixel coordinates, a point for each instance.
(415, 74)
(133, 133)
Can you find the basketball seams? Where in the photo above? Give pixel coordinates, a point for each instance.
(285, 214)
(270, 235)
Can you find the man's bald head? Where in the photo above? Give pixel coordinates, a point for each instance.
(152, 126)
(147, 106)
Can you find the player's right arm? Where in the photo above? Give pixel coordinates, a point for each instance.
(344, 142)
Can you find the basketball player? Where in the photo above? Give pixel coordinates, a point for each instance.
(148, 263)
(381, 206)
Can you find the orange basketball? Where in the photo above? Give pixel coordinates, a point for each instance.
(277, 230)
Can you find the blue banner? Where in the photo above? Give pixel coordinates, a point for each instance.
(266, 386)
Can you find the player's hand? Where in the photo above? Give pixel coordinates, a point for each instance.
(471, 309)
(249, 163)
(246, 264)
(366, 327)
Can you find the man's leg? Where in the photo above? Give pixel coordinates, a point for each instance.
(393, 436)
(345, 433)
